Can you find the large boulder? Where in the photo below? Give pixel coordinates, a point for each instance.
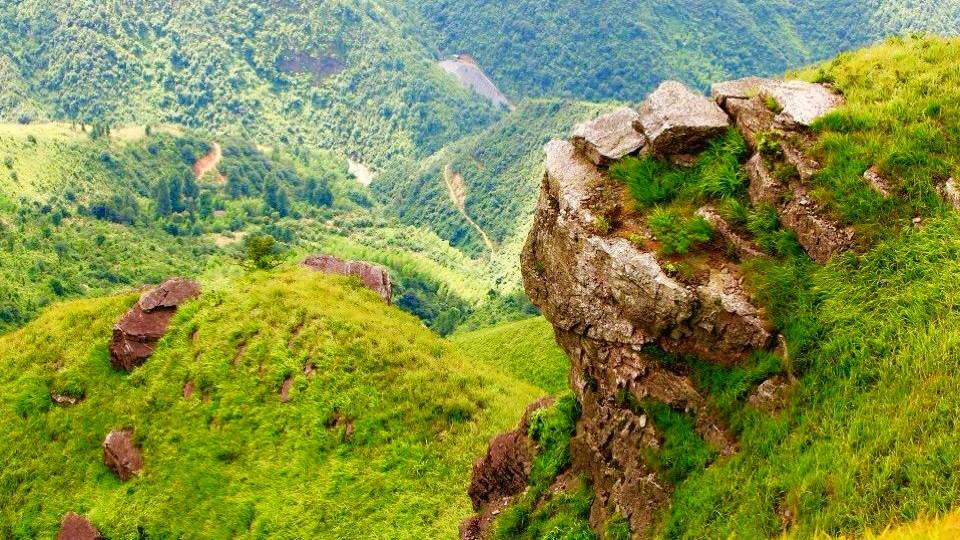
(121, 455)
(76, 527)
(677, 120)
(136, 335)
(799, 103)
(609, 137)
(376, 278)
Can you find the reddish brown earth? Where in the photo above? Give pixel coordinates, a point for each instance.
(209, 163)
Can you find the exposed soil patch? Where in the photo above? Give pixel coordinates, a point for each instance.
(209, 163)
(457, 189)
(471, 75)
(361, 172)
(320, 67)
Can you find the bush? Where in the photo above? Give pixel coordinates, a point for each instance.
(676, 233)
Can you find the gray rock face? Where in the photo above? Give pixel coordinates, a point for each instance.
(951, 193)
(741, 245)
(609, 137)
(801, 103)
(820, 236)
(677, 120)
(607, 288)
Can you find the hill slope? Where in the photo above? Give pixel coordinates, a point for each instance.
(232, 459)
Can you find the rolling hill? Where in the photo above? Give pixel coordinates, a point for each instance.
(376, 442)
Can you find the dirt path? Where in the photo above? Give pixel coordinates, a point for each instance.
(209, 163)
(457, 189)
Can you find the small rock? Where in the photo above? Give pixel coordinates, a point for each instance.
(285, 389)
(609, 137)
(121, 455)
(676, 120)
(188, 389)
(771, 395)
(76, 527)
(917, 220)
(877, 181)
(743, 247)
(65, 400)
(310, 369)
(952, 193)
(374, 277)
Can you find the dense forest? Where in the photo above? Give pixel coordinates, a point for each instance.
(602, 49)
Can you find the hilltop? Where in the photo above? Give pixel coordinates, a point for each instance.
(372, 435)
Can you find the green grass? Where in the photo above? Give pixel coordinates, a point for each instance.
(902, 113)
(241, 463)
(525, 349)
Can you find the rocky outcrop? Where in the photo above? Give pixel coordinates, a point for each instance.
(376, 278)
(609, 137)
(677, 120)
(623, 313)
(136, 335)
(607, 288)
(121, 455)
(76, 527)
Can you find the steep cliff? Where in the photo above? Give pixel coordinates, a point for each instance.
(654, 232)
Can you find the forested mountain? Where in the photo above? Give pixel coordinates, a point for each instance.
(338, 74)
(620, 49)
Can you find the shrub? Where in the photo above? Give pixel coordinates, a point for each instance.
(676, 233)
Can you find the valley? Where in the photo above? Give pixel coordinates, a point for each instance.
(488, 270)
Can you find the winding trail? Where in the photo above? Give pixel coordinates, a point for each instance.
(457, 189)
(209, 163)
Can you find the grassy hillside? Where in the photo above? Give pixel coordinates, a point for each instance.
(868, 438)
(524, 349)
(340, 74)
(233, 460)
(622, 49)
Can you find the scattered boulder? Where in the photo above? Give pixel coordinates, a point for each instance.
(76, 527)
(285, 389)
(676, 120)
(121, 455)
(609, 137)
(188, 389)
(136, 335)
(376, 278)
(309, 369)
(877, 181)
